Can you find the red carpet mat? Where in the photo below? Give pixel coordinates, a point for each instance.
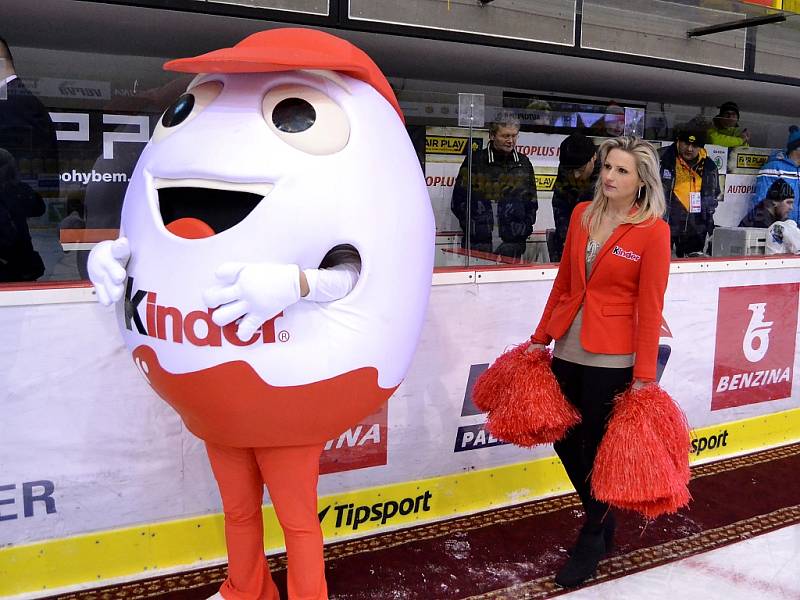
(513, 553)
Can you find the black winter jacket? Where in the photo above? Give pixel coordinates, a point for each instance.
(680, 220)
(504, 181)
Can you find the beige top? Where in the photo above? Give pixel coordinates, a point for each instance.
(568, 347)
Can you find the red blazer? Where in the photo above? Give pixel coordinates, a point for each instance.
(624, 297)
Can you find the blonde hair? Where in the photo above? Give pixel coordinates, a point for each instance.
(650, 205)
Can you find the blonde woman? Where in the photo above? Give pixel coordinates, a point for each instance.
(604, 313)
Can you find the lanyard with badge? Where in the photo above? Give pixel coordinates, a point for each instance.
(695, 202)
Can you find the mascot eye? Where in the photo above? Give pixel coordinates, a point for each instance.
(293, 115)
(306, 119)
(177, 113)
(186, 108)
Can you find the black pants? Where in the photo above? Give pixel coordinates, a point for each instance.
(591, 390)
(511, 249)
(686, 243)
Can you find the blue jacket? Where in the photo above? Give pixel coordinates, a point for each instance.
(778, 165)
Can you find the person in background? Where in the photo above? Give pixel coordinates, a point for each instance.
(503, 208)
(575, 183)
(783, 164)
(691, 187)
(27, 138)
(725, 130)
(612, 123)
(26, 129)
(776, 206)
(18, 202)
(604, 312)
(783, 237)
(542, 114)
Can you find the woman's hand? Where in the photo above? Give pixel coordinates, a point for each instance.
(534, 347)
(639, 384)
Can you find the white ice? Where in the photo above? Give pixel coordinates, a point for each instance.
(766, 567)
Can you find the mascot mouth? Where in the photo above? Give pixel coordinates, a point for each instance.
(200, 208)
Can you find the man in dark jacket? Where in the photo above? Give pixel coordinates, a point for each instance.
(691, 188)
(27, 137)
(18, 202)
(26, 129)
(777, 206)
(503, 207)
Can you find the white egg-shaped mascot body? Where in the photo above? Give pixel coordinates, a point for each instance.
(286, 151)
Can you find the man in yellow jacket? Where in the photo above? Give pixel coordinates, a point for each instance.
(725, 130)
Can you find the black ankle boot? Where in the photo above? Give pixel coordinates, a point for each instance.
(588, 552)
(609, 527)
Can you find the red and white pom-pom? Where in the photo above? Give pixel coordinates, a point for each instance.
(493, 386)
(535, 410)
(643, 461)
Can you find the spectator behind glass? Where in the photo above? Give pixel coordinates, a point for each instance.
(28, 137)
(574, 183)
(18, 201)
(612, 124)
(784, 165)
(725, 130)
(503, 208)
(691, 188)
(783, 237)
(777, 206)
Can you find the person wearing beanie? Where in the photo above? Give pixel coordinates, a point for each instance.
(691, 187)
(777, 206)
(575, 183)
(725, 130)
(783, 164)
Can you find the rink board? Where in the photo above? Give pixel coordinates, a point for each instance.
(101, 481)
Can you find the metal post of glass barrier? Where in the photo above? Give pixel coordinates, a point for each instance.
(470, 114)
(3, 85)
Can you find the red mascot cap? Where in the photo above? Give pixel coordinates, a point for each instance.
(288, 49)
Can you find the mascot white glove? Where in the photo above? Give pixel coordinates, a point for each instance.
(254, 291)
(106, 268)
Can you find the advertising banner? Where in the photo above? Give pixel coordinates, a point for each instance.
(85, 444)
(738, 191)
(719, 154)
(754, 355)
(541, 148)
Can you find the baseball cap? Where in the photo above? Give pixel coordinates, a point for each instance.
(289, 49)
(694, 132)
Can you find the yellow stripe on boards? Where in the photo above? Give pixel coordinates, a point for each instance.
(139, 551)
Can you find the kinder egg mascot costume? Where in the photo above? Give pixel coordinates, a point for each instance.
(272, 273)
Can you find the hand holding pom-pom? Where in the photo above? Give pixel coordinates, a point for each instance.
(643, 461)
(525, 403)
